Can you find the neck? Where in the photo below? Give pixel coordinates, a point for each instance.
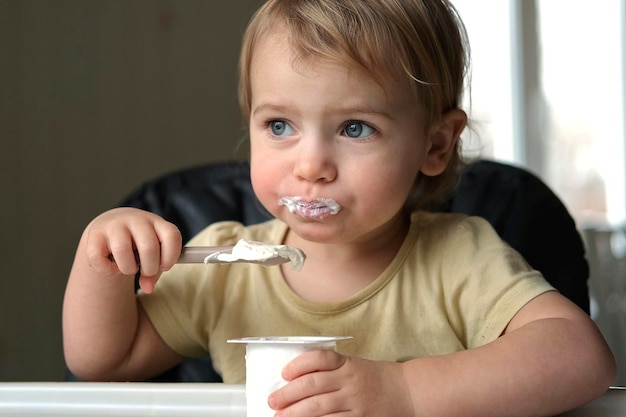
(335, 272)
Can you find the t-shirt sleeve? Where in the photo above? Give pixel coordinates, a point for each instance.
(486, 282)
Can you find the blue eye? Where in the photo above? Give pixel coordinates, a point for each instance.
(357, 130)
(280, 128)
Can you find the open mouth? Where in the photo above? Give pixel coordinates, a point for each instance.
(312, 209)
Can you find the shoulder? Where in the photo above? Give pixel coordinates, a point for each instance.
(452, 228)
(460, 242)
(480, 280)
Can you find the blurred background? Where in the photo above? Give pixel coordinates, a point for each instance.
(99, 96)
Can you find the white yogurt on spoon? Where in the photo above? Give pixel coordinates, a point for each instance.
(262, 253)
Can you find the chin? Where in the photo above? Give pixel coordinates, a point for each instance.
(315, 230)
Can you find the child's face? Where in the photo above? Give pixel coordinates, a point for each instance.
(323, 133)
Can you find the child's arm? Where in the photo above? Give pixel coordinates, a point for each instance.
(106, 335)
(551, 358)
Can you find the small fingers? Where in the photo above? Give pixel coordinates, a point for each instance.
(129, 240)
(313, 361)
(122, 253)
(162, 253)
(171, 244)
(148, 249)
(330, 403)
(110, 245)
(147, 284)
(158, 245)
(357, 387)
(309, 376)
(99, 255)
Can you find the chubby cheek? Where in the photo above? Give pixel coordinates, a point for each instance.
(265, 178)
(381, 197)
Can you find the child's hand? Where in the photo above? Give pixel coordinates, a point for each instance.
(325, 382)
(127, 240)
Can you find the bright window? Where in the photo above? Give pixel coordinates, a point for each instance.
(583, 83)
(548, 93)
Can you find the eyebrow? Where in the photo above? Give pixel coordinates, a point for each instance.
(272, 107)
(348, 110)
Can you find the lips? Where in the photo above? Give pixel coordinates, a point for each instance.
(318, 208)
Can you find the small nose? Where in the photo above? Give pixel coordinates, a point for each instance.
(315, 162)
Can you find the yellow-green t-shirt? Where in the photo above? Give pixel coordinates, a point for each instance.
(453, 285)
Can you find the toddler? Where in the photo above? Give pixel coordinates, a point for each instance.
(354, 122)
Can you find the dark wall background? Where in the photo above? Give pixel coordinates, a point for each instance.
(96, 97)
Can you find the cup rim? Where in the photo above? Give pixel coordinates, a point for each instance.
(289, 339)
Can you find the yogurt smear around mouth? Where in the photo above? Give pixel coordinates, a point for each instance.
(312, 209)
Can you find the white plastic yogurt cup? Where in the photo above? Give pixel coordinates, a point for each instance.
(265, 359)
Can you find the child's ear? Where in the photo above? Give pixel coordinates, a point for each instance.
(443, 137)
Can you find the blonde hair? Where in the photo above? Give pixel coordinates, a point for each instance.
(422, 43)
